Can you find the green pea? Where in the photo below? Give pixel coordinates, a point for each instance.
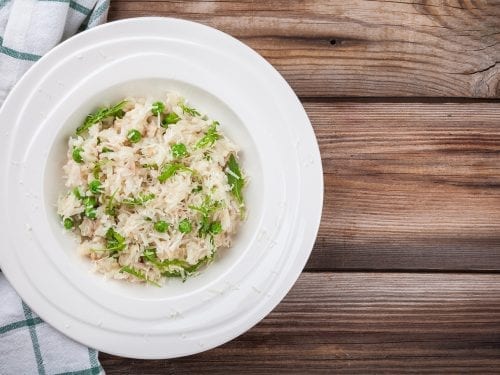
(157, 108)
(161, 226)
(76, 154)
(134, 135)
(179, 150)
(68, 223)
(96, 187)
(89, 202)
(90, 212)
(185, 226)
(215, 227)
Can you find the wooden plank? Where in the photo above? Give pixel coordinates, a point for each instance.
(408, 185)
(359, 47)
(360, 323)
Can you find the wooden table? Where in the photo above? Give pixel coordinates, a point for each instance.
(402, 95)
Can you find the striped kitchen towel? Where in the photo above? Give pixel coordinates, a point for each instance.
(29, 29)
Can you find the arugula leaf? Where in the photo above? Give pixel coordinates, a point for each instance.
(207, 208)
(90, 204)
(170, 118)
(189, 110)
(168, 170)
(139, 274)
(174, 267)
(207, 156)
(97, 168)
(110, 206)
(101, 114)
(115, 242)
(140, 200)
(150, 166)
(210, 137)
(197, 189)
(235, 179)
(76, 192)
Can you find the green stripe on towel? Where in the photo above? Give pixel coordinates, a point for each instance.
(98, 12)
(16, 54)
(34, 339)
(20, 324)
(73, 5)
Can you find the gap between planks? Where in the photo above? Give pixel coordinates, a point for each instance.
(352, 322)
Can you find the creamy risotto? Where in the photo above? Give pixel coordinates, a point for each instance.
(154, 189)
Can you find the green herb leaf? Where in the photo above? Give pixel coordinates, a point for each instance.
(106, 149)
(76, 154)
(189, 110)
(235, 179)
(98, 167)
(114, 241)
(77, 193)
(207, 209)
(179, 150)
(170, 118)
(101, 114)
(90, 204)
(150, 166)
(134, 135)
(210, 137)
(168, 170)
(174, 267)
(157, 108)
(197, 189)
(139, 274)
(185, 226)
(150, 254)
(140, 200)
(110, 206)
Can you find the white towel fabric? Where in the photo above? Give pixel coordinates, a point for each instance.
(29, 29)
(28, 345)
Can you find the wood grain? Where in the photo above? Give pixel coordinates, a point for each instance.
(327, 48)
(352, 322)
(408, 185)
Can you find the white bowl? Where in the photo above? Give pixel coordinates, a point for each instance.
(256, 109)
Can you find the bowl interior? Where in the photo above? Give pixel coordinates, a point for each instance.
(232, 126)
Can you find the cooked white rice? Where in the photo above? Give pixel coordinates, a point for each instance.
(154, 181)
